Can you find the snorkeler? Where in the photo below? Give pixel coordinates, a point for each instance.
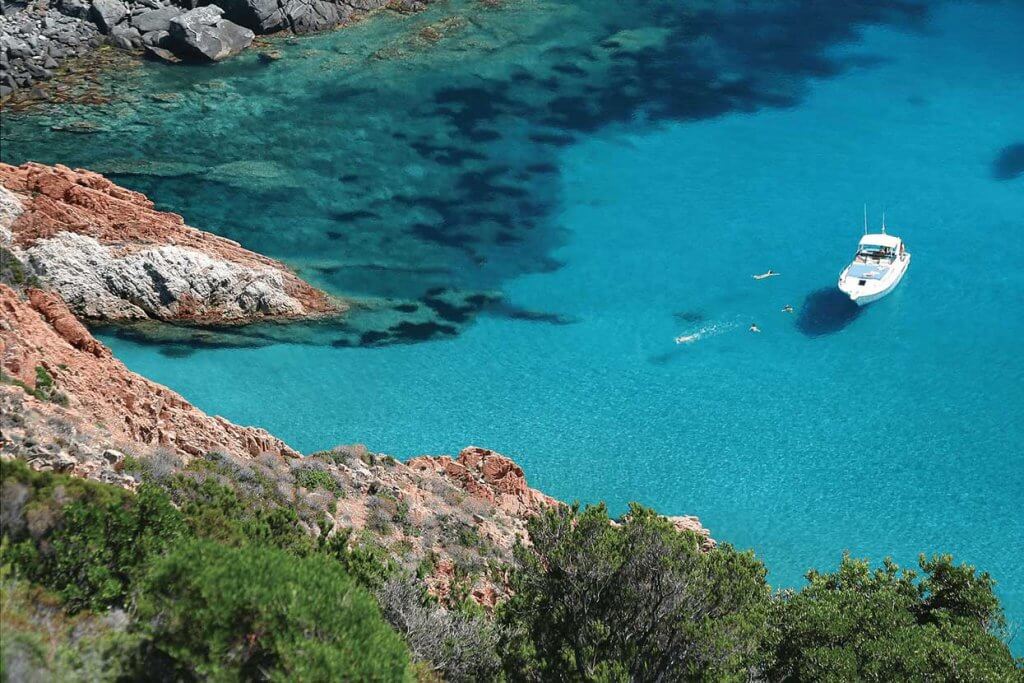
(787, 309)
(768, 273)
(754, 327)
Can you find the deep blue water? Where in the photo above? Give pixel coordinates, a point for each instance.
(618, 184)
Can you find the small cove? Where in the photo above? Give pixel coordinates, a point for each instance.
(616, 185)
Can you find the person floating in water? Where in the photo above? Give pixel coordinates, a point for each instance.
(754, 327)
(766, 274)
(787, 309)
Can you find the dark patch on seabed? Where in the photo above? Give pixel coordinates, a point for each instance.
(826, 311)
(710, 62)
(1010, 162)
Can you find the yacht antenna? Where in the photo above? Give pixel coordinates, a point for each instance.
(865, 219)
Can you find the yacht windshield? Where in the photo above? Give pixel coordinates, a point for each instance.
(874, 251)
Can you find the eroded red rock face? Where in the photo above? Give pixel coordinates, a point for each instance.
(42, 332)
(56, 199)
(54, 311)
(489, 476)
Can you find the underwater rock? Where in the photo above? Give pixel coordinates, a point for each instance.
(269, 56)
(253, 174)
(1010, 162)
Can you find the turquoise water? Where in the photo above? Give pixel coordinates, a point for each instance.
(617, 185)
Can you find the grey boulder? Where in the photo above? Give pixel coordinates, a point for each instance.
(204, 34)
(108, 13)
(74, 8)
(126, 37)
(156, 38)
(262, 16)
(156, 20)
(309, 16)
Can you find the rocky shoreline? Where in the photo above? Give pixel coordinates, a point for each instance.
(69, 406)
(113, 257)
(37, 36)
(75, 245)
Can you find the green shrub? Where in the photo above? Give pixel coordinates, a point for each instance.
(256, 613)
(215, 511)
(368, 563)
(862, 624)
(42, 642)
(312, 478)
(83, 540)
(635, 601)
(44, 380)
(44, 390)
(468, 537)
(13, 271)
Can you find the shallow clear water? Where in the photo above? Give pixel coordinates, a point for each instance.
(618, 184)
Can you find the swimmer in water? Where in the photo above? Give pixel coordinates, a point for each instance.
(766, 274)
(787, 309)
(686, 338)
(754, 327)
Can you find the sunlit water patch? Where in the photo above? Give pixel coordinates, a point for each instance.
(570, 187)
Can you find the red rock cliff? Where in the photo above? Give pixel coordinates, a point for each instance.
(42, 332)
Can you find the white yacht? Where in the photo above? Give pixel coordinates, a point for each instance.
(878, 267)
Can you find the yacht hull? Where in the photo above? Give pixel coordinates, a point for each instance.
(863, 297)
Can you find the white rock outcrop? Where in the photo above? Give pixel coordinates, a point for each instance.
(166, 282)
(112, 256)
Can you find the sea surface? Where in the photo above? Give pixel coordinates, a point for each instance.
(566, 186)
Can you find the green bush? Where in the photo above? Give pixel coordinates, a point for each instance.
(44, 390)
(42, 642)
(218, 512)
(638, 600)
(367, 563)
(255, 613)
(83, 540)
(862, 624)
(13, 271)
(312, 478)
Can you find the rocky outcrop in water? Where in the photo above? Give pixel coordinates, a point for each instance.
(203, 34)
(113, 257)
(37, 36)
(34, 40)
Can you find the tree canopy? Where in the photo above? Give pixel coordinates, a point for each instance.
(633, 600)
(253, 613)
(886, 624)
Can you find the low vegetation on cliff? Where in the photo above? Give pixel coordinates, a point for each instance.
(194, 580)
